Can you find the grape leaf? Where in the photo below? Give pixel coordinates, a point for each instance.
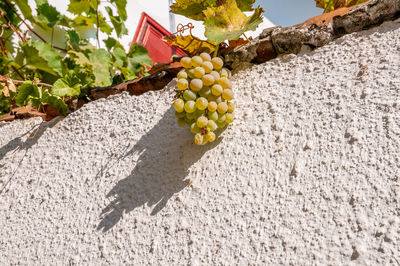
(192, 8)
(55, 101)
(103, 25)
(137, 58)
(121, 8)
(48, 14)
(26, 91)
(228, 22)
(25, 9)
(101, 60)
(69, 85)
(191, 45)
(118, 23)
(120, 57)
(245, 5)
(78, 7)
(73, 39)
(42, 56)
(330, 5)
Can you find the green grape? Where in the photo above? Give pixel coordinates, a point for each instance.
(213, 116)
(225, 83)
(199, 113)
(217, 90)
(202, 121)
(222, 107)
(194, 128)
(229, 118)
(224, 73)
(191, 116)
(190, 73)
(231, 107)
(180, 115)
(228, 71)
(188, 121)
(208, 66)
(227, 94)
(196, 84)
(221, 118)
(189, 95)
(211, 125)
(198, 139)
(210, 136)
(205, 57)
(208, 79)
(196, 61)
(182, 75)
(181, 122)
(186, 62)
(182, 84)
(205, 92)
(199, 72)
(179, 105)
(201, 103)
(212, 106)
(190, 106)
(216, 75)
(217, 63)
(221, 125)
(212, 98)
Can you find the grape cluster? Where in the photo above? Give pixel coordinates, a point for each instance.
(203, 97)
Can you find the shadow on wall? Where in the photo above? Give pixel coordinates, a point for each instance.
(166, 153)
(17, 144)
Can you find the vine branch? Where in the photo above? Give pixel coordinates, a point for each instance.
(29, 27)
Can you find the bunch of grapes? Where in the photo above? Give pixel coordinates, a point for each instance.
(203, 97)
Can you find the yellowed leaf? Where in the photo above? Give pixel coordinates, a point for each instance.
(190, 44)
(330, 5)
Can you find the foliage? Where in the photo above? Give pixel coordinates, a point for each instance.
(54, 57)
(330, 5)
(223, 19)
(190, 44)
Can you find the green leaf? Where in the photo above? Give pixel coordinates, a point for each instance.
(110, 43)
(5, 105)
(25, 9)
(73, 39)
(55, 101)
(138, 58)
(48, 14)
(103, 25)
(117, 22)
(78, 7)
(26, 91)
(121, 8)
(42, 56)
(192, 8)
(120, 57)
(67, 86)
(245, 5)
(101, 61)
(228, 22)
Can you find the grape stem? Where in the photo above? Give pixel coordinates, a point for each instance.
(216, 51)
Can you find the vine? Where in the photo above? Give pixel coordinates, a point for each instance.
(46, 58)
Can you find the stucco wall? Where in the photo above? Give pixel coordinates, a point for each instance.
(308, 173)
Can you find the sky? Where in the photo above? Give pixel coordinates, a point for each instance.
(277, 12)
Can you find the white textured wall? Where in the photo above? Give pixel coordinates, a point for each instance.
(108, 184)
